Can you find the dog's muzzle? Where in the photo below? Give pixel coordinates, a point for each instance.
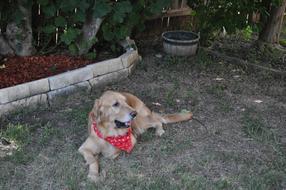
(120, 124)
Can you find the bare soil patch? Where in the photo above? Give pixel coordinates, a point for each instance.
(249, 50)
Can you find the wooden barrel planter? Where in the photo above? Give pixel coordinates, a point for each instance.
(180, 43)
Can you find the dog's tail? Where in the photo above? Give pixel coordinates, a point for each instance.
(177, 117)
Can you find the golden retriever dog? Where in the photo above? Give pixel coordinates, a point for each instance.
(115, 121)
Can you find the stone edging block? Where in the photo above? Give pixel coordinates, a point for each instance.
(21, 91)
(105, 67)
(44, 91)
(108, 78)
(66, 90)
(69, 78)
(129, 58)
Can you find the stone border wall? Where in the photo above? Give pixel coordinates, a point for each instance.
(44, 91)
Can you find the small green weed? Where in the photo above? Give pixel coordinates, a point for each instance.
(202, 61)
(247, 33)
(18, 133)
(79, 116)
(48, 132)
(222, 184)
(91, 55)
(217, 90)
(20, 156)
(255, 128)
(174, 60)
(224, 106)
(282, 42)
(53, 68)
(161, 183)
(270, 179)
(171, 94)
(193, 96)
(73, 182)
(193, 182)
(147, 136)
(170, 146)
(170, 97)
(190, 93)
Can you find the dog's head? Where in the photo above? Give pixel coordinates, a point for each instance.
(111, 108)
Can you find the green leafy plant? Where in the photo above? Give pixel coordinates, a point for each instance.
(79, 24)
(127, 16)
(91, 55)
(283, 42)
(212, 16)
(247, 33)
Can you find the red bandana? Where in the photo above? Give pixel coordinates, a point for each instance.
(123, 142)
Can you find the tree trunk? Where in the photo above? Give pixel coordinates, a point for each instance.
(88, 37)
(27, 35)
(89, 32)
(271, 31)
(5, 48)
(18, 38)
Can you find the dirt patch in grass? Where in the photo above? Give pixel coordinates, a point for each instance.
(248, 50)
(241, 144)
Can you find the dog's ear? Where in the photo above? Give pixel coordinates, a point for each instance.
(94, 115)
(96, 109)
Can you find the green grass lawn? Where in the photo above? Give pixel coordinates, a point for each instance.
(241, 144)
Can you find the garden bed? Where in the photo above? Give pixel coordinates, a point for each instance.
(17, 70)
(45, 90)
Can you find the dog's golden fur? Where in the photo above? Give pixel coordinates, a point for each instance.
(113, 106)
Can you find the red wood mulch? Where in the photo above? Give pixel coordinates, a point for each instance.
(17, 70)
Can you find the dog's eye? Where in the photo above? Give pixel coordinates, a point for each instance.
(116, 104)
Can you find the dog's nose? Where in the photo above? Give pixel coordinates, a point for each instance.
(133, 114)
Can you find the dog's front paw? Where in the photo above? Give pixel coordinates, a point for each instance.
(93, 177)
(160, 132)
